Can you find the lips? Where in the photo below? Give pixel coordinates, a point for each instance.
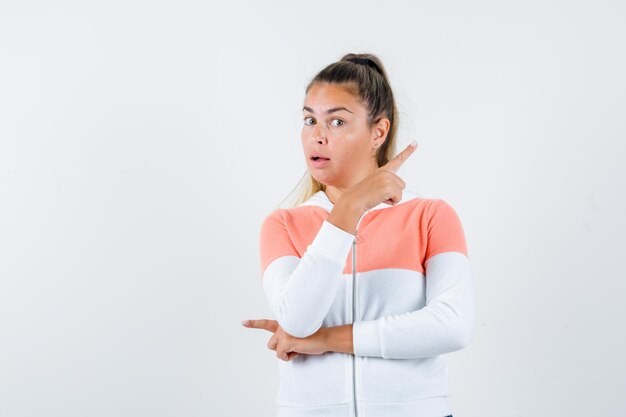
(317, 156)
(320, 162)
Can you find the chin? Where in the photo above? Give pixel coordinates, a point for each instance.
(323, 179)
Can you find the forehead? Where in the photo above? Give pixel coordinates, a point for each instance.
(322, 96)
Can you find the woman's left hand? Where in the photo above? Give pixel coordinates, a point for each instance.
(287, 346)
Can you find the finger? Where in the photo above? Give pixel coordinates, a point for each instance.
(280, 354)
(269, 325)
(291, 355)
(394, 195)
(273, 342)
(394, 164)
(393, 199)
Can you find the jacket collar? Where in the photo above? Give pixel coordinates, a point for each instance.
(320, 199)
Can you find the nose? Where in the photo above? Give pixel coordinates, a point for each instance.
(319, 134)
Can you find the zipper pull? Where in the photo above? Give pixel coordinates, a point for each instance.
(357, 238)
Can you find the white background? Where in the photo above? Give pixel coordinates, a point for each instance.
(142, 144)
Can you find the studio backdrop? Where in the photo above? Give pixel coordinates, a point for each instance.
(142, 144)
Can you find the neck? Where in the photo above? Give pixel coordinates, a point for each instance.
(334, 193)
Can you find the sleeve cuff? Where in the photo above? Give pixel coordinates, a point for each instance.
(366, 338)
(332, 242)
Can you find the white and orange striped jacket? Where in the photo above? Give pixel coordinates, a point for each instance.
(403, 280)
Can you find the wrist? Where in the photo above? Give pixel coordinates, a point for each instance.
(337, 339)
(350, 204)
(345, 215)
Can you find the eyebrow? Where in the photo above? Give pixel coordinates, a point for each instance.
(327, 111)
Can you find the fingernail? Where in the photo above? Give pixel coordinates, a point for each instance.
(414, 143)
(244, 322)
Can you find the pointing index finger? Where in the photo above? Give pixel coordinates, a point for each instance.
(269, 325)
(395, 164)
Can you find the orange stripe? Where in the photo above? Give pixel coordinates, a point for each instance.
(396, 237)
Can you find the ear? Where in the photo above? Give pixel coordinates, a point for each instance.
(380, 129)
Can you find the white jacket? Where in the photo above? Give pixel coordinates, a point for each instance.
(403, 280)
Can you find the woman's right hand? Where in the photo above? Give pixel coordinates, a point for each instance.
(381, 186)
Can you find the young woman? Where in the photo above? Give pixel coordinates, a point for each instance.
(370, 283)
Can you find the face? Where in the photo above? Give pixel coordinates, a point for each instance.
(335, 127)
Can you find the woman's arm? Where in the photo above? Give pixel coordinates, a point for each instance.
(336, 339)
(300, 291)
(445, 323)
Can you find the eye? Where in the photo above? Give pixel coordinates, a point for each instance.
(307, 118)
(338, 120)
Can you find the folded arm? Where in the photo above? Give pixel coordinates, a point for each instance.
(445, 324)
(300, 291)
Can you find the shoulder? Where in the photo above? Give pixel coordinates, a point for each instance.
(444, 229)
(438, 207)
(294, 222)
(274, 239)
(429, 207)
(274, 216)
(287, 216)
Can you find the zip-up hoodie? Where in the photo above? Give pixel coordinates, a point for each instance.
(404, 282)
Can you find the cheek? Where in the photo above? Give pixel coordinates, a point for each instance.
(341, 155)
(350, 149)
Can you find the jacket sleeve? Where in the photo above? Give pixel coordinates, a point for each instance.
(300, 291)
(446, 322)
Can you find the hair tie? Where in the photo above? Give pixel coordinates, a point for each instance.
(362, 61)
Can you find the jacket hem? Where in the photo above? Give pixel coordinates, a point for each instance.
(428, 407)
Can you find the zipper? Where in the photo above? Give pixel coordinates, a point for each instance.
(356, 240)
